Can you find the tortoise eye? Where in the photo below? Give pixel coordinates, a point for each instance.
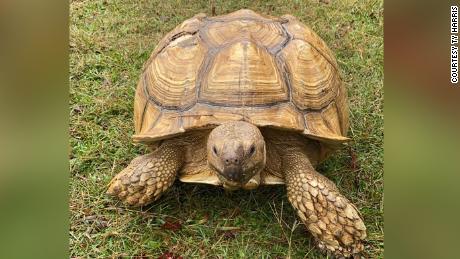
(214, 150)
(252, 150)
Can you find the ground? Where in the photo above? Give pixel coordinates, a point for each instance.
(110, 41)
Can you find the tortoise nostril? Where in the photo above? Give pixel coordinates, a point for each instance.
(231, 160)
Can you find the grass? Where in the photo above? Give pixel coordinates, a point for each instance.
(109, 42)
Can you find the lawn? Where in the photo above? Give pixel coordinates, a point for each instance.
(110, 41)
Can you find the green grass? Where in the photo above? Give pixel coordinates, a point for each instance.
(110, 41)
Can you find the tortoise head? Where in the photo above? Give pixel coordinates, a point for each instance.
(236, 150)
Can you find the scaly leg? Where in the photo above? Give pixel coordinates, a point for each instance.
(147, 176)
(329, 216)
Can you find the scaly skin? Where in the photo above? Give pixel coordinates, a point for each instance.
(148, 176)
(328, 215)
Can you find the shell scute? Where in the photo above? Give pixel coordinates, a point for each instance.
(272, 72)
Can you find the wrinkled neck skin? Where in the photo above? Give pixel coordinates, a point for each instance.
(236, 152)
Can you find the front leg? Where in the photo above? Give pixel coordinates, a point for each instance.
(148, 176)
(329, 216)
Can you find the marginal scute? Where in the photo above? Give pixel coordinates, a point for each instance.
(342, 110)
(151, 114)
(332, 119)
(203, 116)
(206, 116)
(282, 116)
(324, 126)
(168, 124)
(139, 106)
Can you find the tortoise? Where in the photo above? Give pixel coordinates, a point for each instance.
(243, 100)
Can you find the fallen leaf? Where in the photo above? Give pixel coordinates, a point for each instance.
(142, 256)
(169, 255)
(353, 160)
(228, 232)
(171, 224)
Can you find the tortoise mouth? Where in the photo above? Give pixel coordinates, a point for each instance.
(251, 181)
(234, 176)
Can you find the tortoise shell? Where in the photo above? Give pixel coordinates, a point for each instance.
(269, 71)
